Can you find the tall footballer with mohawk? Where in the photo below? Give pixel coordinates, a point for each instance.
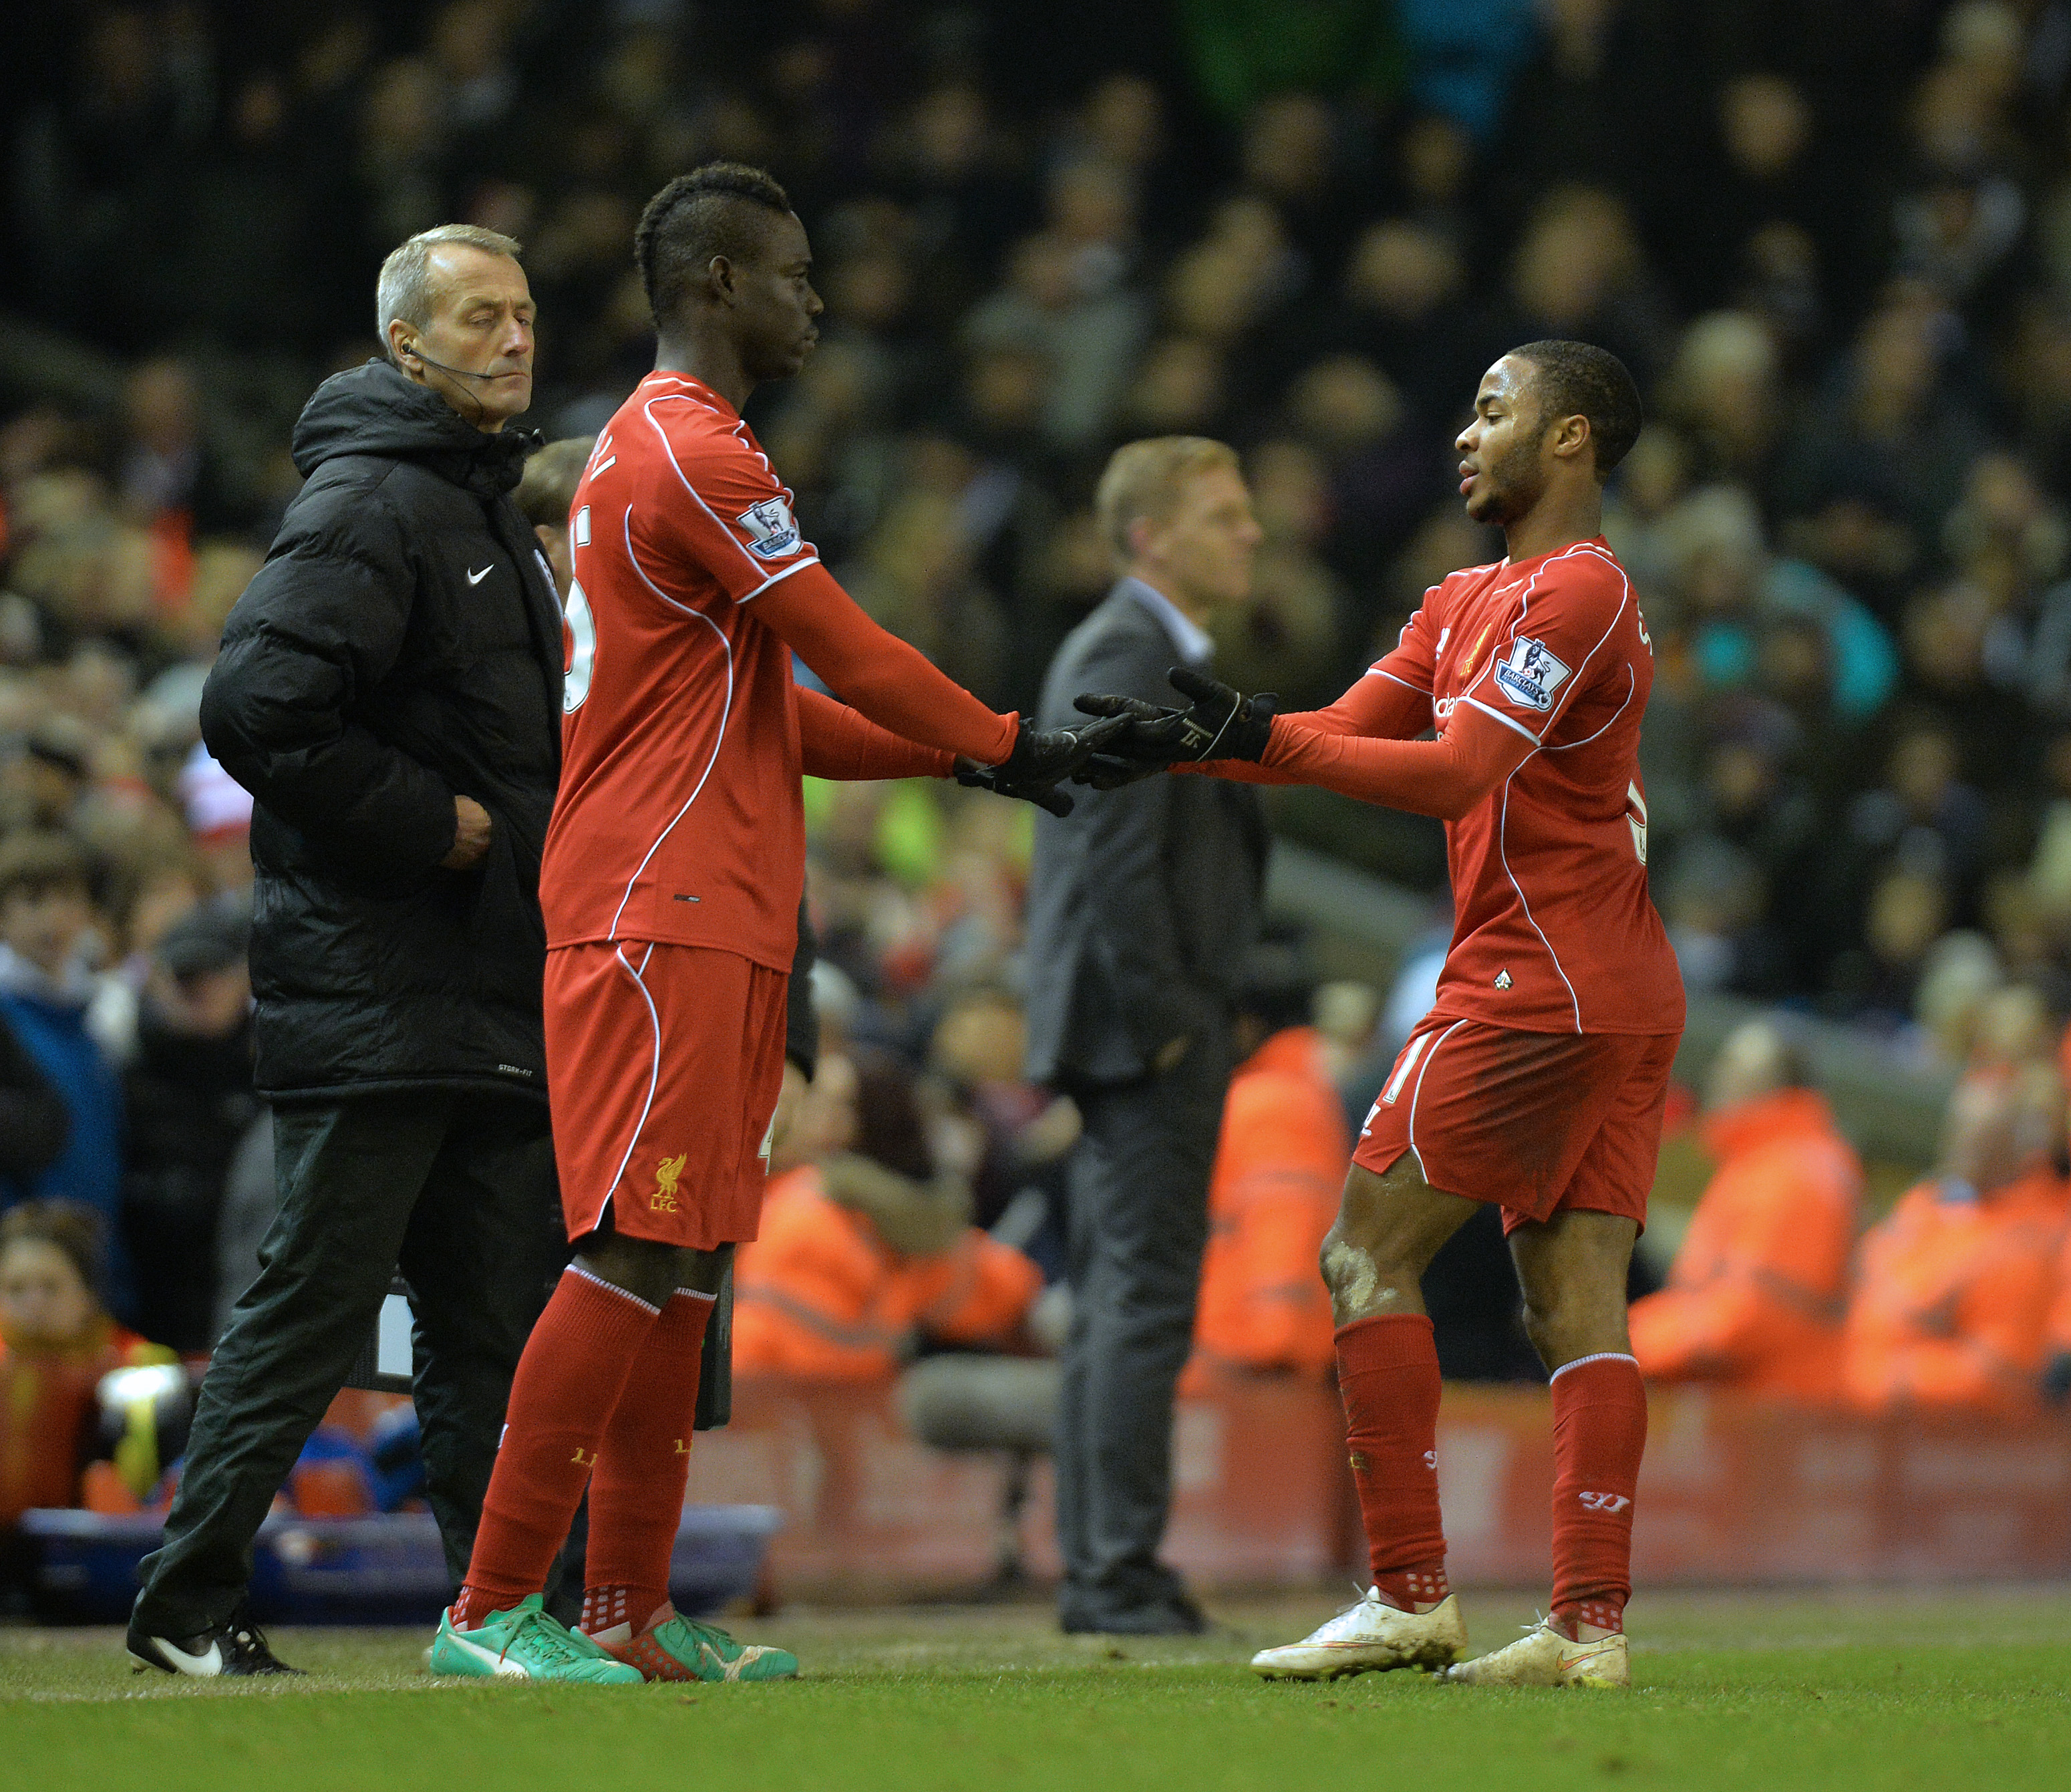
(670, 885)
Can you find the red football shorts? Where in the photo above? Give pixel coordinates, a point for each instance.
(1532, 1123)
(663, 1064)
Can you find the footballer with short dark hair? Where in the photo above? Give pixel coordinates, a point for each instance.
(1537, 1081)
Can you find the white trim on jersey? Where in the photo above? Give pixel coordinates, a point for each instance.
(778, 578)
(654, 1075)
(1524, 612)
(1378, 672)
(647, 410)
(726, 714)
(1631, 685)
(1503, 852)
(1502, 819)
(1508, 722)
(1417, 1094)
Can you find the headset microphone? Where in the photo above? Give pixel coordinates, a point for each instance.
(419, 355)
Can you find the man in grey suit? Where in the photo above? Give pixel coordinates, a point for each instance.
(1141, 906)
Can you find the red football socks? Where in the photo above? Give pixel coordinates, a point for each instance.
(1387, 1374)
(568, 1383)
(636, 1495)
(1599, 1432)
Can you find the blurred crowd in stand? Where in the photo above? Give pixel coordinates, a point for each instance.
(1832, 240)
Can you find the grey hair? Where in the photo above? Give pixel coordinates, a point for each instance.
(406, 289)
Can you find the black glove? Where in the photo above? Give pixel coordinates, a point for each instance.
(1121, 763)
(1042, 759)
(1219, 723)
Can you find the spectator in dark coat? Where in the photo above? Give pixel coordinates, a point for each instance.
(47, 998)
(190, 1104)
(33, 1120)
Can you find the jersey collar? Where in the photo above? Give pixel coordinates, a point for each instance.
(695, 385)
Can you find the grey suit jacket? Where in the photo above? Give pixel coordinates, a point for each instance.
(1142, 902)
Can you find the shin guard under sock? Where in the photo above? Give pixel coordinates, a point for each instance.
(568, 1382)
(636, 1495)
(1599, 1433)
(1387, 1375)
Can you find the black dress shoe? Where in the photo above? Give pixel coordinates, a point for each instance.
(234, 1647)
(1176, 1617)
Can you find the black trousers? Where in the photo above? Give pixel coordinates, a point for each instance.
(1138, 1226)
(457, 1188)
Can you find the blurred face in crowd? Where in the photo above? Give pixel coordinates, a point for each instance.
(44, 925)
(482, 323)
(2001, 1124)
(1749, 1065)
(41, 1299)
(1200, 555)
(202, 1004)
(1507, 453)
(770, 289)
(982, 1040)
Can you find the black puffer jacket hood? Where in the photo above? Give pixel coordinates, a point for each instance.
(401, 646)
(372, 409)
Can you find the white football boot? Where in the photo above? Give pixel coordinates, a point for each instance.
(1370, 1637)
(1544, 1657)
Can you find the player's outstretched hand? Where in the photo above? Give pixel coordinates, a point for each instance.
(1218, 723)
(1042, 759)
(1230, 726)
(1137, 752)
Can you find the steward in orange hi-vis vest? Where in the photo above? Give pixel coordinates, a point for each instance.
(1272, 1194)
(821, 1297)
(1759, 1291)
(1952, 1297)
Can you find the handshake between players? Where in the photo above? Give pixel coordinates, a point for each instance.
(1130, 741)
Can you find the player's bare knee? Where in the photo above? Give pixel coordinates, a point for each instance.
(1363, 1285)
(1581, 1323)
(1543, 1329)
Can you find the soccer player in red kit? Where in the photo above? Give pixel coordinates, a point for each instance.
(670, 883)
(1537, 1081)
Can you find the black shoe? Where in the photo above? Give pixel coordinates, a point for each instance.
(236, 1647)
(1175, 1617)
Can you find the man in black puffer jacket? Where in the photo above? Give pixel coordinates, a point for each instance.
(389, 690)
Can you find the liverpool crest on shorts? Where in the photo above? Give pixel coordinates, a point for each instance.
(1529, 675)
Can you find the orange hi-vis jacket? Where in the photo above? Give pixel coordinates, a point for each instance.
(1952, 1297)
(819, 1296)
(48, 1412)
(1278, 1171)
(1759, 1291)
(2057, 1334)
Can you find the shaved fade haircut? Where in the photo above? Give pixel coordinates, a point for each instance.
(720, 209)
(1580, 380)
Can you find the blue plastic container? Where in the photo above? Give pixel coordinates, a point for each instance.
(388, 1569)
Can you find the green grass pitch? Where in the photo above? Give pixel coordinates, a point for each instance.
(1954, 1689)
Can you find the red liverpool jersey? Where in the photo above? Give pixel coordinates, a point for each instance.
(1553, 929)
(679, 818)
